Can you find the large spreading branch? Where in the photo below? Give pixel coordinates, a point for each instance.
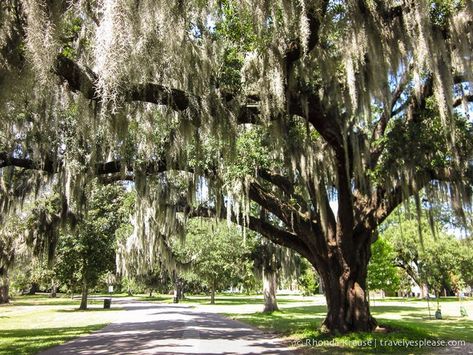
(266, 229)
(286, 186)
(82, 79)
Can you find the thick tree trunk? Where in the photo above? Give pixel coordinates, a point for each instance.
(344, 278)
(269, 290)
(85, 294)
(4, 288)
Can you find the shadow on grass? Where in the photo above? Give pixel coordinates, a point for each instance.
(454, 329)
(159, 298)
(39, 303)
(303, 323)
(236, 300)
(90, 309)
(30, 341)
(415, 299)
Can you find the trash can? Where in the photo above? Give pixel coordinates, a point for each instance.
(107, 303)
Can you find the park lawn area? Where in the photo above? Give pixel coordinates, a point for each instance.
(405, 320)
(241, 300)
(32, 323)
(226, 302)
(159, 298)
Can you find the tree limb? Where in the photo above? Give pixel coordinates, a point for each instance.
(275, 234)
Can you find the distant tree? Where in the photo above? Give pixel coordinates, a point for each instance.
(12, 249)
(273, 263)
(309, 280)
(465, 262)
(42, 276)
(382, 272)
(267, 261)
(425, 250)
(440, 265)
(88, 251)
(217, 254)
(156, 279)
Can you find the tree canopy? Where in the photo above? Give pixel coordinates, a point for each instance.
(260, 112)
(438, 260)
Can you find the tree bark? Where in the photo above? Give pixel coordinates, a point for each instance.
(344, 277)
(53, 290)
(34, 288)
(269, 290)
(4, 288)
(85, 293)
(212, 293)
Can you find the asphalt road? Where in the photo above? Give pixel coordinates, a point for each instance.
(147, 328)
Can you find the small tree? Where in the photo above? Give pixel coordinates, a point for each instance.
(425, 250)
(89, 252)
(382, 273)
(217, 254)
(308, 280)
(156, 279)
(440, 265)
(10, 241)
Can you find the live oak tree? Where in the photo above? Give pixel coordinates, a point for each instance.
(361, 102)
(267, 260)
(274, 263)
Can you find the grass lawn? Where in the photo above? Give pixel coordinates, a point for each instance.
(33, 323)
(220, 299)
(237, 300)
(407, 321)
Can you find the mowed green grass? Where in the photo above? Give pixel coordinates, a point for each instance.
(406, 321)
(32, 323)
(220, 299)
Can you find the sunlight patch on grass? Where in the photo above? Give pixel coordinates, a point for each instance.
(407, 322)
(34, 323)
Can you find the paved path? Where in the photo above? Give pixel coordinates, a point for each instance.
(147, 328)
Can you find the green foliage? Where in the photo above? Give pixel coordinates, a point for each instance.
(440, 265)
(32, 324)
(422, 144)
(251, 153)
(441, 11)
(382, 274)
(308, 280)
(158, 279)
(70, 33)
(217, 254)
(236, 27)
(88, 251)
(440, 261)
